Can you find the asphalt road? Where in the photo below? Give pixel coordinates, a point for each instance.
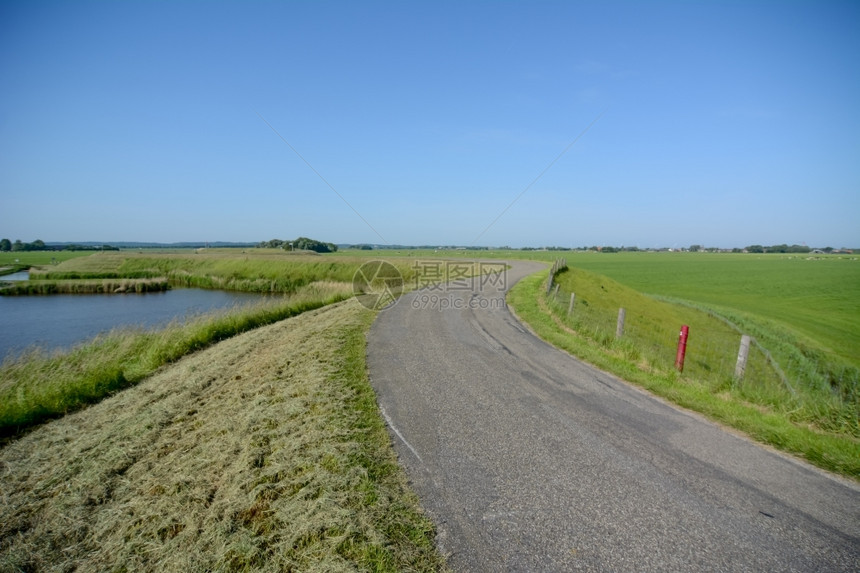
(529, 460)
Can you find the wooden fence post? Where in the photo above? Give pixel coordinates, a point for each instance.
(555, 294)
(743, 352)
(558, 265)
(570, 306)
(619, 327)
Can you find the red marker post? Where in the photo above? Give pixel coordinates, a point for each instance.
(682, 348)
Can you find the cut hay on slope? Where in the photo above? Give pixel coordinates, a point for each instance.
(263, 452)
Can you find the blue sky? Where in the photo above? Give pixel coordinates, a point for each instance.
(723, 124)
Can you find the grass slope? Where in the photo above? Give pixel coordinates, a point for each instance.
(264, 452)
(255, 270)
(651, 329)
(823, 430)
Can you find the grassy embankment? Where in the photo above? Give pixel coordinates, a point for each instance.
(265, 452)
(247, 270)
(804, 416)
(250, 270)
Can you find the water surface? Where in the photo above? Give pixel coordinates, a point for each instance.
(62, 320)
(19, 276)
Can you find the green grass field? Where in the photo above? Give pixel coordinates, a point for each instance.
(816, 298)
(650, 338)
(12, 261)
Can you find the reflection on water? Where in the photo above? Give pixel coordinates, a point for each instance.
(62, 320)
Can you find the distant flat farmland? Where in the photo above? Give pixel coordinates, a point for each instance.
(817, 297)
(39, 257)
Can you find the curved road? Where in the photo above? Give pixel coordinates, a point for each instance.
(529, 460)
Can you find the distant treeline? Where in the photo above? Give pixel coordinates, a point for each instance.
(39, 245)
(300, 244)
(393, 247)
(306, 244)
(700, 248)
(782, 249)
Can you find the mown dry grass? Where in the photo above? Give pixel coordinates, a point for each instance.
(263, 452)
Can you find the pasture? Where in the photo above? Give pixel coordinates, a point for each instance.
(14, 260)
(814, 298)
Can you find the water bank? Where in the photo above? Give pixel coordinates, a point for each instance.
(63, 320)
(105, 286)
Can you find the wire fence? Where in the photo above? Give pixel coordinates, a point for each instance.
(777, 374)
(711, 353)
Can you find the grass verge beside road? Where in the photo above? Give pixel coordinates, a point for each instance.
(265, 452)
(838, 452)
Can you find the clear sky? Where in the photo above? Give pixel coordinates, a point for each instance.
(722, 124)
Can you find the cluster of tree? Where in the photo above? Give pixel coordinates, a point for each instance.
(273, 244)
(700, 248)
(395, 247)
(75, 247)
(39, 245)
(300, 244)
(778, 249)
(610, 249)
